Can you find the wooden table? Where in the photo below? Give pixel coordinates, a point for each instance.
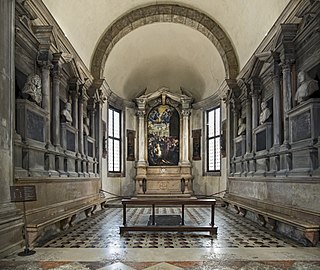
(168, 203)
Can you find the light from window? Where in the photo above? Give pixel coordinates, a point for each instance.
(114, 149)
(213, 137)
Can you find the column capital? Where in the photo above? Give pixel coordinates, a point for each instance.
(141, 113)
(141, 103)
(45, 65)
(287, 63)
(186, 112)
(91, 106)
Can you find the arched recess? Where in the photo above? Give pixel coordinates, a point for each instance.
(165, 13)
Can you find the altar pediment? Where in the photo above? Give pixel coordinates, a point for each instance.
(163, 92)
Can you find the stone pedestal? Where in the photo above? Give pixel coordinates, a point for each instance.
(262, 137)
(262, 143)
(11, 222)
(31, 126)
(239, 146)
(164, 181)
(239, 151)
(304, 128)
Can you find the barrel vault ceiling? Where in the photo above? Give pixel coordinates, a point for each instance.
(172, 51)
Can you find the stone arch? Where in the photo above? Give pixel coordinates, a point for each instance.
(165, 13)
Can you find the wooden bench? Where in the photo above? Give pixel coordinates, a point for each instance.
(269, 219)
(170, 203)
(65, 218)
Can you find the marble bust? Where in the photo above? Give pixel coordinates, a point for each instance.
(265, 113)
(86, 123)
(306, 87)
(66, 113)
(241, 126)
(32, 88)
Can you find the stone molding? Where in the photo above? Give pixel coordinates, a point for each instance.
(165, 13)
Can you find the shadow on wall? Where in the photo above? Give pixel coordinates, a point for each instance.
(162, 71)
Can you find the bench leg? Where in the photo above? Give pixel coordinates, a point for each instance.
(312, 236)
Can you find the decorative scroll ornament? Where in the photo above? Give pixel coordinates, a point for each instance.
(32, 88)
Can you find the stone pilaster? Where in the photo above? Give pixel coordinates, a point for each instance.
(82, 99)
(185, 137)
(10, 220)
(74, 91)
(46, 96)
(56, 78)
(274, 160)
(255, 90)
(141, 152)
(235, 115)
(287, 99)
(98, 134)
(277, 127)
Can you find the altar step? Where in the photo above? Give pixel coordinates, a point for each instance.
(164, 196)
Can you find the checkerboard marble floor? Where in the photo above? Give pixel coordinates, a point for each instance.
(95, 244)
(102, 231)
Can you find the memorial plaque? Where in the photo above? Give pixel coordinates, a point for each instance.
(35, 126)
(261, 142)
(238, 149)
(23, 193)
(90, 149)
(70, 141)
(301, 126)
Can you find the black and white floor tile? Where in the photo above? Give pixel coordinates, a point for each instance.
(102, 231)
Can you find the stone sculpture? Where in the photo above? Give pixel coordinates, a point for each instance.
(86, 123)
(66, 113)
(306, 87)
(32, 88)
(241, 126)
(265, 113)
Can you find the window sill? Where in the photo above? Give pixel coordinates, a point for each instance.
(218, 173)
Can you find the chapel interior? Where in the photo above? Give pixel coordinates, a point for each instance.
(159, 100)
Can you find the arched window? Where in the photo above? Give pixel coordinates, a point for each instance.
(213, 140)
(114, 139)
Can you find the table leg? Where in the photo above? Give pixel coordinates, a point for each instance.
(124, 215)
(182, 214)
(153, 215)
(212, 215)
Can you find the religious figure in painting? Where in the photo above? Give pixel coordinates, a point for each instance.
(163, 136)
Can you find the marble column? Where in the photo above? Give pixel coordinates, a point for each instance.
(141, 153)
(255, 89)
(287, 99)
(80, 132)
(229, 137)
(277, 126)
(11, 220)
(235, 118)
(56, 77)
(92, 110)
(185, 137)
(248, 126)
(46, 97)
(74, 97)
(98, 134)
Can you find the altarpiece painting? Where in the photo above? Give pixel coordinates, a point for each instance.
(163, 136)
